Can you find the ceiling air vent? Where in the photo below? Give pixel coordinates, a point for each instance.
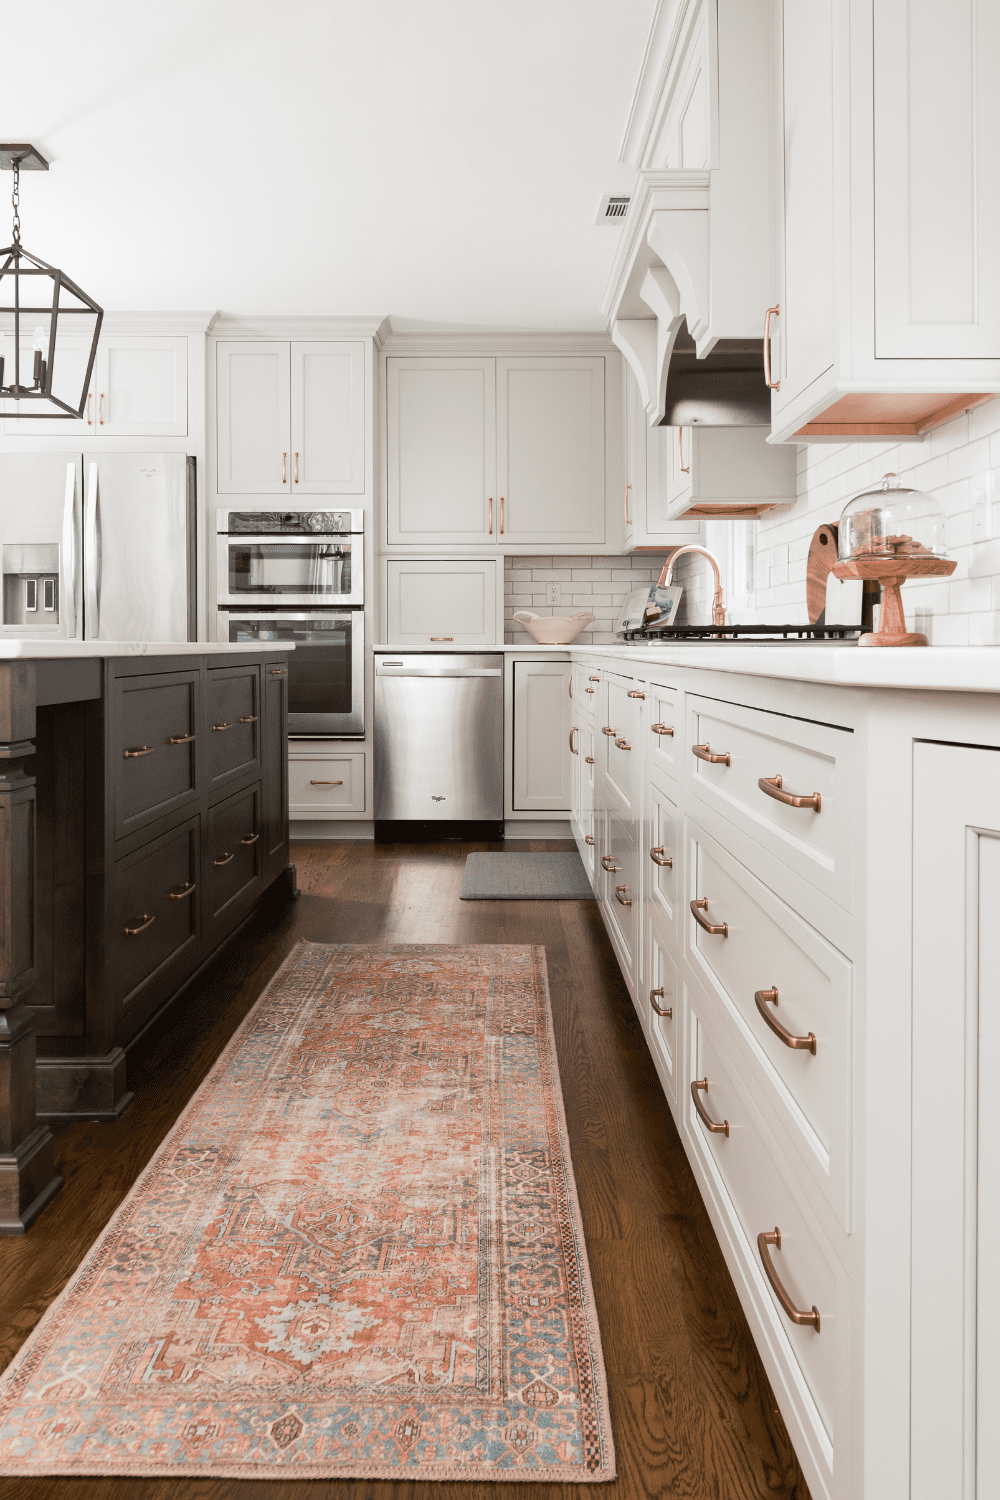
(612, 209)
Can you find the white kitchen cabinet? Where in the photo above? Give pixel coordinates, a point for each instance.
(290, 417)
(650, 520)
(506, 451)
(543, 761)
(716, 471)
(888, 215)
(324, 781)
(138, 388)
(443, 600)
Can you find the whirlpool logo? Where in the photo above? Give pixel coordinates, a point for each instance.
(437, 799)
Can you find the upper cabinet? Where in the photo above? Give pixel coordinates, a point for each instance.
(138, 389)
(505, 451)
(887, 315)
(291, 417)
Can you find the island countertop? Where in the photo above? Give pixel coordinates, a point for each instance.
(18, 648)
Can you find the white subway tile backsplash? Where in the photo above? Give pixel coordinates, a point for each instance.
(598, 584)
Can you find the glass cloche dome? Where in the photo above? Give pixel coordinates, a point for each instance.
(892, 521)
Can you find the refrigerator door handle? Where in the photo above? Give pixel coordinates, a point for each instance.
(67, 582)
(92, 557)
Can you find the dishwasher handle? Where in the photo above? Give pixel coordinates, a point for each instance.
(438, 671)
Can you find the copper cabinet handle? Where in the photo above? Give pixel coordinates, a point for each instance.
(180, 891)
(283, 478)
(573, 749)
(180, 739)
(623, 744)
(137, 754)
(248, 718)
(772, 385)
(772, 786)
(588, 838)
(144, 921)
(295, 468)
(660, 857)
(680, 452)
(593, 679)
(705, 752)
(663, 729)
(218, 728)
(700, 1085)
(90, 420)
(608, 730)
(667, 1012)
(717, 929)
(589, 759)
(619, 897)
(442, 637)
(635, 693)
(501, 515)
(569, 686)
(628, 520)
(277, 671)
(607, 860)
(590, 690)
(798, 1043)
(314, 782)
(787, 1305)
(251, 838)
(490, 531)
(100, 408)
(224, 859)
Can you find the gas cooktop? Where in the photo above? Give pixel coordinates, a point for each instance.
(748, 635)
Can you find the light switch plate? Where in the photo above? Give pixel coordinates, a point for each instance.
(552, 593)
(981, 500)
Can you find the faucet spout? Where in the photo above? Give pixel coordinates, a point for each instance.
(666, 573)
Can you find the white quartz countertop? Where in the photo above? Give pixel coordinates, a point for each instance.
(959, 669)
(505, 650)
(19, 647)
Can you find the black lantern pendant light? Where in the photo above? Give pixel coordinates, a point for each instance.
(48, 327)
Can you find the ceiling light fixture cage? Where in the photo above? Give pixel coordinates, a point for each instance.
(49, 327)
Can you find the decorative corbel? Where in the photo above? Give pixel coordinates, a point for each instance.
(636, 338)
(679, 237)
(662, 297)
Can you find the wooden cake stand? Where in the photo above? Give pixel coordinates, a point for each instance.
(892, 572)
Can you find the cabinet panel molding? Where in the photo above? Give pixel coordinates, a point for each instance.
(328, 418)
(254, 410)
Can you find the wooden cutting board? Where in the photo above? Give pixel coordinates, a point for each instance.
(821, 558)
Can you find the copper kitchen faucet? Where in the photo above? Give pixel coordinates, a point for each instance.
(718, 606)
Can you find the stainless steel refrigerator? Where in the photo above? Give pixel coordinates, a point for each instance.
(98, 546)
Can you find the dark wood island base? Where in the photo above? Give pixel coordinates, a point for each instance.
(143, 815)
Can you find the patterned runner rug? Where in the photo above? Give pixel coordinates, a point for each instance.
(358, 1252)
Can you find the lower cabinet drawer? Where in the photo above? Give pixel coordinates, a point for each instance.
(660, 1007)
(620, 863)
(799, 1277)
(233, 854)
(323, 783)
(154, 911)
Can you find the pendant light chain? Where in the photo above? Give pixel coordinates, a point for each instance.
(15, 199)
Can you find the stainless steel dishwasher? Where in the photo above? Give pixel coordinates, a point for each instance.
(438, 746)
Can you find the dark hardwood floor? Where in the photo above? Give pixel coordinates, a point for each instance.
(692, 1411)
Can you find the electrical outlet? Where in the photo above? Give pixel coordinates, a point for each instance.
(981, 497)
(552, 593)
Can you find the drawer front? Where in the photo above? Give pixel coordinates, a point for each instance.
(664, 729)
(660, 1003)
(153, 746)
(804, 986)
(757, 1198)
(153, 911)
(233, 728)
(810, 761)
(233, 853)
(622, 747)
(322, 785)
(662, 856)
(621, 889)
(586, 690)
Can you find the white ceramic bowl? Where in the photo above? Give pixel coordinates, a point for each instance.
(552, 630)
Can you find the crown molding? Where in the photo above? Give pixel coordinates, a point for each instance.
(654, 85)
(499, 341)
(301, 326)
(158, 322)
(654, 192)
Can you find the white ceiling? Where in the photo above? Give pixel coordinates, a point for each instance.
(439, 161)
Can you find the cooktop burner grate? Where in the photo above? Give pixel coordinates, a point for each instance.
(790, 633)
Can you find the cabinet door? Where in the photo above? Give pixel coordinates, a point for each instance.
(233, 724)
(253, 382)
(441, 450)
(954, 1301)
(324, 782)
(668, 488)
(140, 387)
(550, 449)
(67, 383)
(153, 908)
(441, 600)
(153, 749)
(328, 418)
(274, 759)
(635, 456)
(542, 760)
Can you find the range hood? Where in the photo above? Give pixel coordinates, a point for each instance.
(725, 389)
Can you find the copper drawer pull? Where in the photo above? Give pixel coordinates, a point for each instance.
(283, 478)
(314, 782)
(180, 739)
(590, 690)
(100, 408)
(442, 637)
(699, 1085)
(772, 786)
(593, 679)
(628, 518)
(787, 1305)
(619, 897)
(798, 1043)
(218, 728)
(569, 686)
(144, 922)
(588, 838)
(774, 385)
(490, 531)
(663, 729)
(248, 718)
(607, 861)
(180, 891)
(277, 671)
(684, 468)
(660, 857)
(251, 838)
(224, 859)
(573, 749)
(295, 468)
(635, 693)
(717, 929)
(623, 744)
(136, 754)
(90, 420)
(589, 759)
(705, 752)
(608, 730)
(501, 515)
(666, 1012)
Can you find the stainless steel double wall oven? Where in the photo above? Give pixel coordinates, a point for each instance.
(299, 577)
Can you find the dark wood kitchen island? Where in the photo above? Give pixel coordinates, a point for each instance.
(143, 815)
